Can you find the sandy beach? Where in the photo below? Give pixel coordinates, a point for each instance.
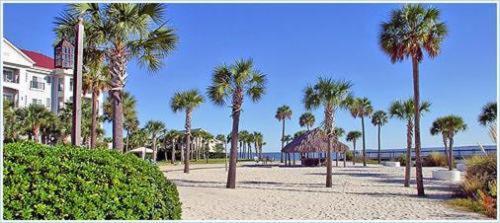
(280, 193)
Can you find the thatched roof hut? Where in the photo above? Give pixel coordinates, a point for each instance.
(314, 140)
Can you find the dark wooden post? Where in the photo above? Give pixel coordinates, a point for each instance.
(77, 86)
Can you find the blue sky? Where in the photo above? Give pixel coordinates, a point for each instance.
(294, 44)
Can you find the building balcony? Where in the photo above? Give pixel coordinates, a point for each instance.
(35, 85)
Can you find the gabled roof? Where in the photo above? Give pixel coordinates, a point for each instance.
(40, 60)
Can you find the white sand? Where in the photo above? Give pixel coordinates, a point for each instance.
(278, 193)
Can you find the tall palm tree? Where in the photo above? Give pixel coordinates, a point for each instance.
(488, 117)
(403, 110)
(282, 114)
(361, 108)
(186, 101)
(154, 129)
(332, 95)
(448, 126)
(412, 30)
(307, 120)
(379, 119)
(131, 122)
(95, 80)
(123, 31)
(353, 136)
(234, 82)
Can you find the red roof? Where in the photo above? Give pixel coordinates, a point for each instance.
(40, 59)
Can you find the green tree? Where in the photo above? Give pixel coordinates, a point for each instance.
(339, 133)
(332, 95)
(488, 117)
(403, 110)
(186, 101)
(282, 114)
(412, 30)
(361, 108)
(95, 80)
(379, 119)
(34, 117)
(123, 31)
(234, 82)
(258, 141)
(154, 129)
(353, 136)
(307, 120)
(448, 126)
(131, 122)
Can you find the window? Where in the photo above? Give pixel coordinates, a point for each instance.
(34, 84)
(36, 101)
(9, 76)
(8, 97)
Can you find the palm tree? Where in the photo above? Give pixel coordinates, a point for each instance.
(234, 82)
(12, 122)
(353, 136)
(187, 101)
(339, 132)
(123, 31)
(35, 116)
(412, 30)
(332, 95)
(282, 113)
(222, 138)
(448, 126)
(258, 140)
(379, 119)
(403, 110)
(361, 108)
(488, 117)
(307, 119)
(242, 140)
(154, 129)
(95, 80)
(131, 123)
(172, 136)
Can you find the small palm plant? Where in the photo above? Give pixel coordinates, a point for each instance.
(411, 31)
(361, 108)
(282, 114)
(332, 95)
(403, 110)
(307, 120)
(35, 116)
(353, 136)
(233, 83)
(448, 126)
(154, 129)
(186, 101)
(339, 133)
(379, 119)
(488, 117)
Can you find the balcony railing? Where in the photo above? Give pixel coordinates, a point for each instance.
(37, 85)
(11, 79)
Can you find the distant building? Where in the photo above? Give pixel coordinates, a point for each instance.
(31, 78)
(197, 141)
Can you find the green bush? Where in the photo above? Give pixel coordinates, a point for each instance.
(64, 182)
(349, 155)
(436, 159)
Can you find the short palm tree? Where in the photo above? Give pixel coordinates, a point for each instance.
(154, 129)
(233, 83)
(282, 114)
(223, 139)
(488, 117)
(34, 117)
(403, 110)
(412, 30)
(187, 101)
(361, 108)
(339, 133)
(448, 126)
(123, 31)
(307, 120)
(353, 136)
(332, 95)
(258, 141)
(379, 119)
(173, 136)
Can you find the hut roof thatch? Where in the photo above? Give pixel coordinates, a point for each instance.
(314, 140)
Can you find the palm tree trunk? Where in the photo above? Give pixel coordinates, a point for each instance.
(282, 142)
(173, 152)
(416, 101)
(446, 153)
(330, 125)
(188, 140)
(93, 130)
(155, 151)
(237, 102)
(364, 142)
(378, 136)
(450, 154)
(117, 60)
(344, 158)
(354, 152)
(336, 158)
(409, 130)
(183, 150)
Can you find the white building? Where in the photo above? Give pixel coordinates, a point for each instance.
(31, 78)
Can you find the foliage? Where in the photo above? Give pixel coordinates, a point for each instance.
(307, 120)
(402, 159)
(488, 117)
(349, 155)
(435, 159)
(64, 182)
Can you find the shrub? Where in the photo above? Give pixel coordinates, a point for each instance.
(310, 162)
(64, 182)
(402, 159)
(348, 155)
(436, 159)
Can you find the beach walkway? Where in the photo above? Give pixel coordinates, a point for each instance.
(280, 193)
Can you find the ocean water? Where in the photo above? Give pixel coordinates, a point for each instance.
(458, 152)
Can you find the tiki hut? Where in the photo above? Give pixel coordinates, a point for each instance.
(314, 141)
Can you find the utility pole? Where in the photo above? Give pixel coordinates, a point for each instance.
(76, 130)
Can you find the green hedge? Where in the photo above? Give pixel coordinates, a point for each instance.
(64, 182)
